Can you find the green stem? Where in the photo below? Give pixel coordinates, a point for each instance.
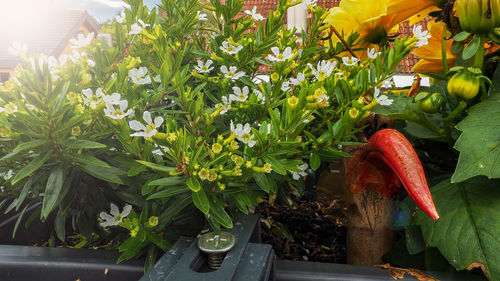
(443, 50)
(479, 57)
(461, 106)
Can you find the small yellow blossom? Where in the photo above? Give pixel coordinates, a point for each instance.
(75, 131)
(268, 168)
(353, 112)
(203, 174)
(233, 145)
(217, 148)
(293, 101)
(275, 77)
(212, 175)
(153, 221)
(238, 160)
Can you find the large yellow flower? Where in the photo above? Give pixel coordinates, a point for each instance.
(373, 19)
(430, 54)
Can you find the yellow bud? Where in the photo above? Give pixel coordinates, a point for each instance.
(275, 77)
(353, 112)
(153, 221)
(217, 148)
(75, 131)
(292, 102)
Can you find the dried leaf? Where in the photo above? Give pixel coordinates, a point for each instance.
(399, 273)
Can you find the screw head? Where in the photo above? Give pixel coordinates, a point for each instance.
(216, 242)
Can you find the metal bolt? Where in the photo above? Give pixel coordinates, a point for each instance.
(216, 245)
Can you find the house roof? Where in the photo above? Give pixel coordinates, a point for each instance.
(53, 28)
(264, 6)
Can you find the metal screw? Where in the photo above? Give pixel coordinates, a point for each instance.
(216, 245)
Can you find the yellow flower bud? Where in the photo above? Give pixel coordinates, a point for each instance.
(353, 112)
(292, 102)
(203, 174)
(153, 221)
(217, 148)
(75, 131)
(275, 77)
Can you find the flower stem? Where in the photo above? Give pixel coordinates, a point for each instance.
(479, 57)
(343, 41)
(443, 50)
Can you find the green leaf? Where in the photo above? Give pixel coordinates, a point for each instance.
(170, 181)
(220, 215)
(264, 182)
(18, 221)
(315, 161)
(31, 167)
(135, 170)
(194, 184)
(108, 174)
(156, 167)
(276, 165)
(200, 200)
(52, 190)
(90, 160)
(60, 225)
(29, 145)
(479, 143)
(462, 36)
(73, 143)
(468, 232)
(471, 48)
(171, 191)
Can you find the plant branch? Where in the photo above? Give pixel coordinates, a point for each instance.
(342, 40)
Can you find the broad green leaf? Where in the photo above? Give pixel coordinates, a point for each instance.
(176, 205)
(135, 170)
(156, 167)
(220, 215)
(29, 145)
(200, 200)
(468, 232)
(52, 190)
(315, 161)
(32, 166)
(471, 48)
(60, 225)
(87, 159)
(194, 184)
(479, 143)
(276, 165)
(462, 36)
(169, 191)
(170, 181)
(72, 143)
(264, 182)
(158, 241)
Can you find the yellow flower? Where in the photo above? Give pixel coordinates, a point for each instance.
(430, 54)
(212, 175)
(203, 174)
(268, 168)
(217, 148)
(293, 101)
(353, 112)
(238, 160)
(373, 20)
(75, 131)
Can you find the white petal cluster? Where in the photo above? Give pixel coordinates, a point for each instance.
(139, 75)
(287, 54)
(382, 99)
(253, 13)
(422, 36)
(204, 67)
(17, 48)
(226, 105)
(323, 70)
(230, 48)
(111, 110)
(148, 130)
(232, 73)
(201, 16)
(243, 133)
(81, 40)
(137, 27)
(90, 99)
(372, 53)
(350, 61)
(115, 217)
(120, 17)
(303, 167)
(307, 3)
(239, 94)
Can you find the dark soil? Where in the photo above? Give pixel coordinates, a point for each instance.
(304, 232)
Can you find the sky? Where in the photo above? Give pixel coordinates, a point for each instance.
(101, 10)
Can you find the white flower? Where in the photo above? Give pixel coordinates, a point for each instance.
(9, 108)
(240, 94)
(204, 67)
(381, 99)
(76, 56)
(349, 61)
(232, 73)
(306, 3)
(139, 75)
(230, 48)
(243, 133)
(7, 176)
(157, 78)
(372, 53)
(91, 62)
(296, 175)
(90, 99)
(201, 16)
(254, 14)
(387, 83)
(146, 131)
(63, 59)
(119, 113)
(17, 48)
(259, 95)
(422, 36)
(81, 40)
(226, 105)
(136, 28)
(296, 81)
(160, 150)
(285, 87)
(287, 54)
(323, 70)
(115, 217)
(113, 99)
(121, 17)
(322, 98)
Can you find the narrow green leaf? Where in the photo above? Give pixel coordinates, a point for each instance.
(462, 36)
(264, 182)
(31, 167)
(170, 191)
(18, 221)
(315, 161)
(60, 225)
(90, 160)
(52, 190)
(28, 145)
(471, 48)
(276, 165)
(156, 167)
(200, 200)
(73, 143)
(175, 207)
(194, 184)
(220, 215)
(170, 181)
(24, 193)
(108, 174)
(135, 170)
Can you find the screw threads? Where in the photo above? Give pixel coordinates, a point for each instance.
(215, 260)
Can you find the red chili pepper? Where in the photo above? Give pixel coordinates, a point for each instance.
(389, 156)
